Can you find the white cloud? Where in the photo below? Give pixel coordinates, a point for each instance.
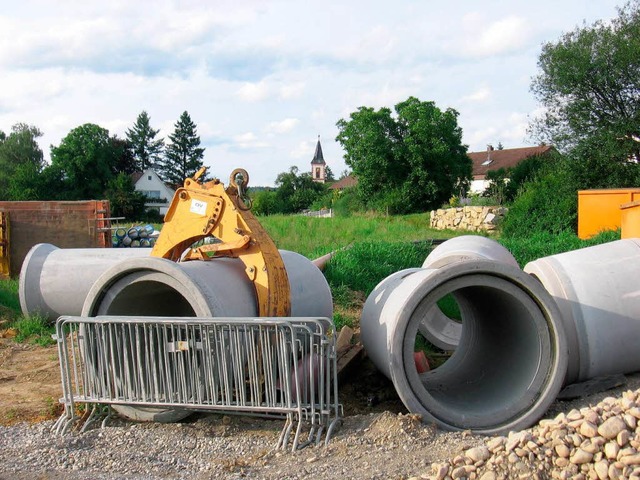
(480, 95)
(282, 126)
(248, 140)
(292, 90)
(253, 92)
(482, 37)
(303, 149)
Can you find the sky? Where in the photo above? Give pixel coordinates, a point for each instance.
(263, 79)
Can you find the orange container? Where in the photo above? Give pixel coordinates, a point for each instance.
(630, 222)
(599, 210)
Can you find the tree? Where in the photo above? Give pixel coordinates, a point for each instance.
(124, 160)
(296, 192)
(183, 156)
(589, 84)
(146, 149)
(83, 163)
(412, 162)
(123, 198)
(21, 162)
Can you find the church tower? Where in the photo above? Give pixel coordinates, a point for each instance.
(318, 165)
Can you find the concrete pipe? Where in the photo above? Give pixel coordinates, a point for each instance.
(437, 328)
(597, 290)
(220, 288)
(55, 281)
(511, 359)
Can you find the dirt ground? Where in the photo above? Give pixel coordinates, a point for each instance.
(30, 386)
(29, 382)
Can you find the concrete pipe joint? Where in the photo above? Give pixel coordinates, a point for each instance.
(437, 328)
(512, 356)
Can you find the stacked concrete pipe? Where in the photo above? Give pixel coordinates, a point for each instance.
(523, 336)
(112, 282)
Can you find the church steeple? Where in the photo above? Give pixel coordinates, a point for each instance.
(318, 165)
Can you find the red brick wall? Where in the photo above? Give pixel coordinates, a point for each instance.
(81, 224)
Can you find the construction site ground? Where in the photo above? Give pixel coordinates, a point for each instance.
(378, 438)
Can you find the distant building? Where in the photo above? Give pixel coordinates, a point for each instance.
(347, 182)
(158, 194)
(318, 165)
(486, 161)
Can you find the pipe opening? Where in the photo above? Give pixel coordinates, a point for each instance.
(503, 359)
(145, 294)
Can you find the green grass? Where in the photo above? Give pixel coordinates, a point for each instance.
(314, 237)
(9, 295)
(30, 329)
(542, 244)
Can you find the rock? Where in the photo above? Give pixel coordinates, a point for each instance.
(588, 429)
(623, 437)
(631, 459)
(612, 427)
(602, 469)
(562, 450)
(478, 454)
(488, 476)
(581, 456)
(611, 450)
(440, 470)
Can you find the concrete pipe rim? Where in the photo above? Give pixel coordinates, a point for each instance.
(521, 295)
(157, 270)
(26, 294)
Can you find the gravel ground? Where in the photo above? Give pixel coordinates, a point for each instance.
(593, 437)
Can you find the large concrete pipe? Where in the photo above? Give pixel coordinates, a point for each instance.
(437, 328)
(158, 287)
(510, 362)
(597, 290)
(55, 281)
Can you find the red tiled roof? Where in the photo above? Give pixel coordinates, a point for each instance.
(346, 182)
(135, 176)
(507, 158)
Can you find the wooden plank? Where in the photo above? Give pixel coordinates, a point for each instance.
(5, 270)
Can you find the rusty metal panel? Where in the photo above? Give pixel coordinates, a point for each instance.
(5, 270)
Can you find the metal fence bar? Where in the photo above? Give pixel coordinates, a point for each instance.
(251, 366)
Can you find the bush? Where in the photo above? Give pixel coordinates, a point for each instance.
(548, 203)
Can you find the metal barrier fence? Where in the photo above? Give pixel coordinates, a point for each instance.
(253, 366)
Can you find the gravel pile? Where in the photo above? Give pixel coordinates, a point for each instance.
(600, 442)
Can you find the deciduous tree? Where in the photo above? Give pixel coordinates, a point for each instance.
(411, 161)
(589, 84)
(21, 162)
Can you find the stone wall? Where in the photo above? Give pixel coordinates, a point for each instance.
(473, 219)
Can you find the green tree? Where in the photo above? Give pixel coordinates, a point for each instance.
(83, 163)
(146, 149)
(124, 160)
(183, 156)
(413, 161)
(21, 162)
(296, 192)
(589, 84)
(123, 198)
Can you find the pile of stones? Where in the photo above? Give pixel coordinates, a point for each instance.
(597, 443)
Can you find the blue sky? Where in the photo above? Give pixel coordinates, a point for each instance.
(262, 79)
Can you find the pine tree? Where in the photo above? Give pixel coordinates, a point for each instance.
(183, 156)
(144, 146)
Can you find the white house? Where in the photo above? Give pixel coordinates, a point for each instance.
(158, 194)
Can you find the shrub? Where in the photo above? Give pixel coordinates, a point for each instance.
(548, 203)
